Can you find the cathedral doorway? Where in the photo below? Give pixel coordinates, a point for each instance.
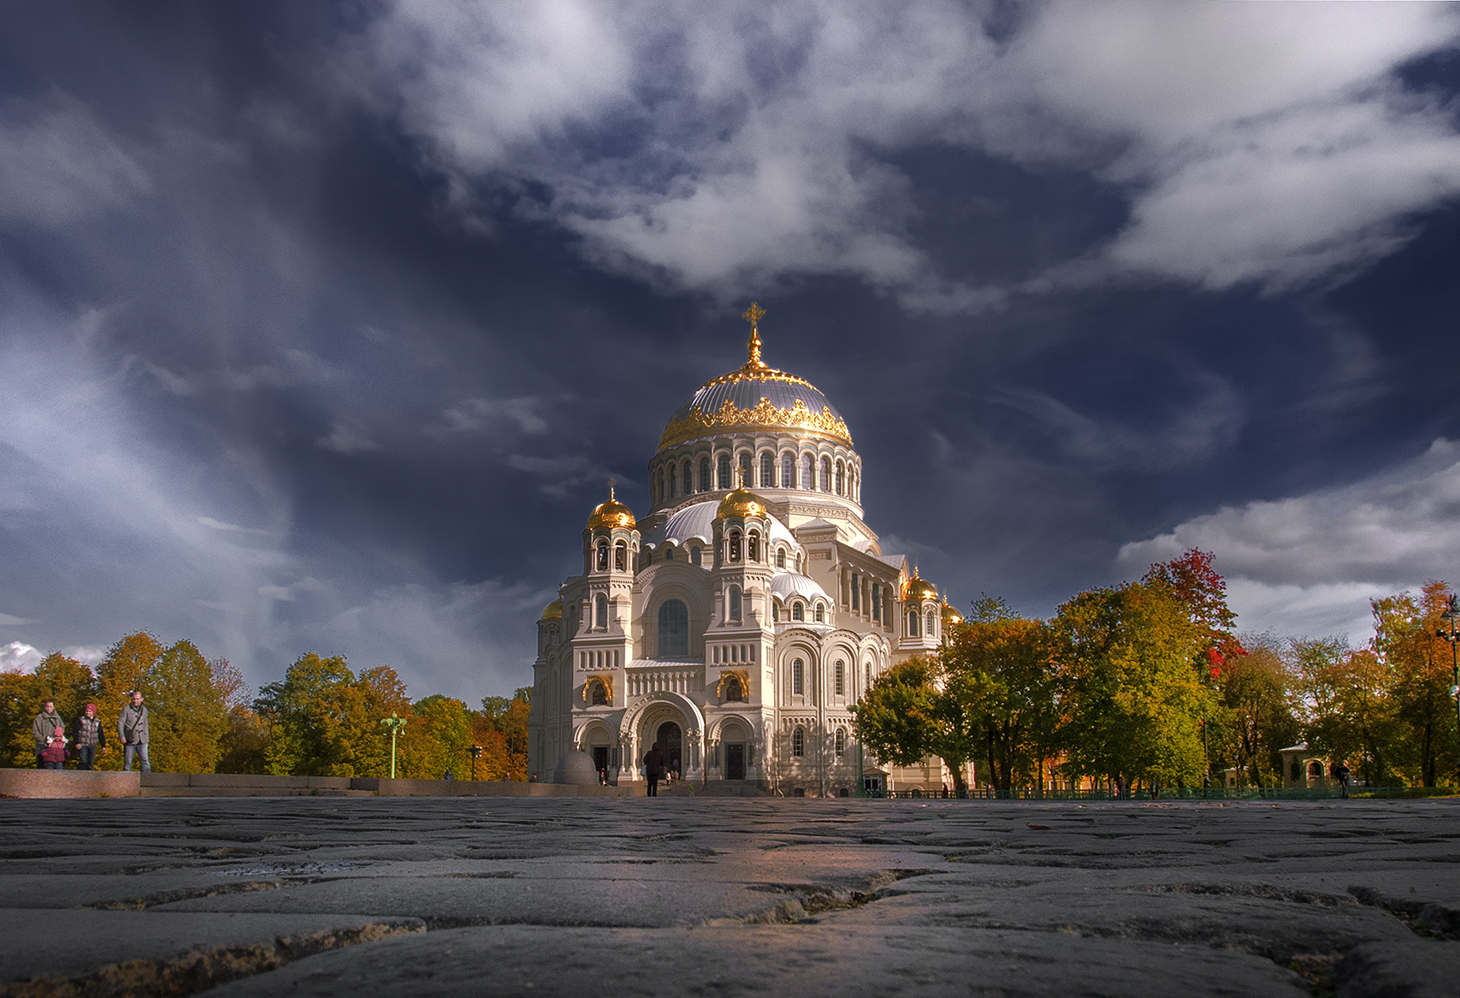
(735, 762)
(600, 757)
(671, 744)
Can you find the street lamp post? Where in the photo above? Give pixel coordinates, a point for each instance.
(476, 751)
(395, 725)
(1452, 614)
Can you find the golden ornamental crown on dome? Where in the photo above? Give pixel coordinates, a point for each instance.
(918, 589)
(611, 514)
(553, 611)
(742, 502)
(779, 408)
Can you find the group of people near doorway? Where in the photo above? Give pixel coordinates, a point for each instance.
(88, 736)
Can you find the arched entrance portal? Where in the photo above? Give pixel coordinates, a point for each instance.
(671, 743)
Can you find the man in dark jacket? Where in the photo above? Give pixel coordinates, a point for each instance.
(43, 730)
(654, 768)
(88, 736)
(132, 726)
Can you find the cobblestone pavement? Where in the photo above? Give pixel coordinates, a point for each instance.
(679, 896)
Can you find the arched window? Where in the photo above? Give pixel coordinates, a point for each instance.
(673, 629)
(686, 479)
(808, 472)
(747, 477)
(841, 678)
(602, 562)
(798, 742)
(734, 547)
(694, 556)
(912, 624)
(724, 468)
(704, 474)
(734, 603)
(841, 741)
(780, 557)
(856, 591)
(673, 484)
(841, 478)
(876, 601)
(646, 558)
(669, 554)
(600, 611)
(734, 692)
(820, 613)
(1315, 769)
(826, 474)
(788, 471)
(752, 546)
(930, 630)
(767, 470)
(796, 612)
(798, 678)
(621, 556)
(598, 697)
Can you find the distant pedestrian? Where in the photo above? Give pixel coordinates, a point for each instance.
(603, 777)
(43, 730)
(654, 768)
(87, 736)
(132, 726)
(1342, 771)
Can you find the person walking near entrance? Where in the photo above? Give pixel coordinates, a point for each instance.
(132, 726)
(89, 736)
(43, 731)
(654, 768)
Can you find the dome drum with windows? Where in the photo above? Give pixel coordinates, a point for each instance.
(741, 618)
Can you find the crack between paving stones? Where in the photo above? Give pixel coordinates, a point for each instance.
(198, 970)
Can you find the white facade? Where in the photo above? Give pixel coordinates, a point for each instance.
(734, 625)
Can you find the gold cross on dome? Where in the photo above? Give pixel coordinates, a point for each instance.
(753, 315)
(611, 484)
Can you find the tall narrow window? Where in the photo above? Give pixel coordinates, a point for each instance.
(602, 561)
(931, 630)
(686, 479)
(798, 678)
(808, 472)
(745, 467)
(673, 629)
(798, 742)
(600, 612)
(724, 468)
(673, 483)
(876, 601)
(841, 741)
(734, 603)
(752, 546)
(856, 591)
(669, 554)
(820, 613)
(841, 678)
(767, 470)
(694, 556)
(781, 558)
(621, 556)
(796, 612)
(734, 552)
(841, 478)
(912, 624)
(826, 474)
(788, 471)
(705, 474)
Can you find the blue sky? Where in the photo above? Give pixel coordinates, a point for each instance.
(323, 325)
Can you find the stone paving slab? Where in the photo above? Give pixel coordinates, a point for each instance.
(756, 896)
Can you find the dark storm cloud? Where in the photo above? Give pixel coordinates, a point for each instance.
(324, 326)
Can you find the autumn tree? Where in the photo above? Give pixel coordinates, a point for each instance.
(306, 714)
(58, 677)
(1256, 712)
(187, 710)
(126, 665)
(439, 738)
(1419, 680)
(1134, 700)
(1202, 591)
(1351, 714)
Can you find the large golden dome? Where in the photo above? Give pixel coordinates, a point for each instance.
(918, 589)
(755, 397)
(611, 514)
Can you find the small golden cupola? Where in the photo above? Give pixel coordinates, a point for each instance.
(916, 589)
(611, 514)
(553, 611)
(741, 502)
(951, 617)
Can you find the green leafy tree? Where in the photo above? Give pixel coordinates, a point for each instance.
(1350, 712)
(187, 711)
(1134, 698)
(439, 738)
(307, 717)
(898, 717)
(1256, 713)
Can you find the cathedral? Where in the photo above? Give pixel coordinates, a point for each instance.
(738, 621)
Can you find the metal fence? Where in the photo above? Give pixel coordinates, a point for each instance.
(1165, 793)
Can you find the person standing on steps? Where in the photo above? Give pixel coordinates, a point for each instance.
(43, 730)
(88, 737)
(132, 726)
(654, 768)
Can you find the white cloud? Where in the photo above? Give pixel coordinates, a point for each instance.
(563, 473)
(6, 620)
(59, 164)
(479, 414)
(346, 438)
(1313, 561)
(19, 657)
(288, 593)
(727, 147)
